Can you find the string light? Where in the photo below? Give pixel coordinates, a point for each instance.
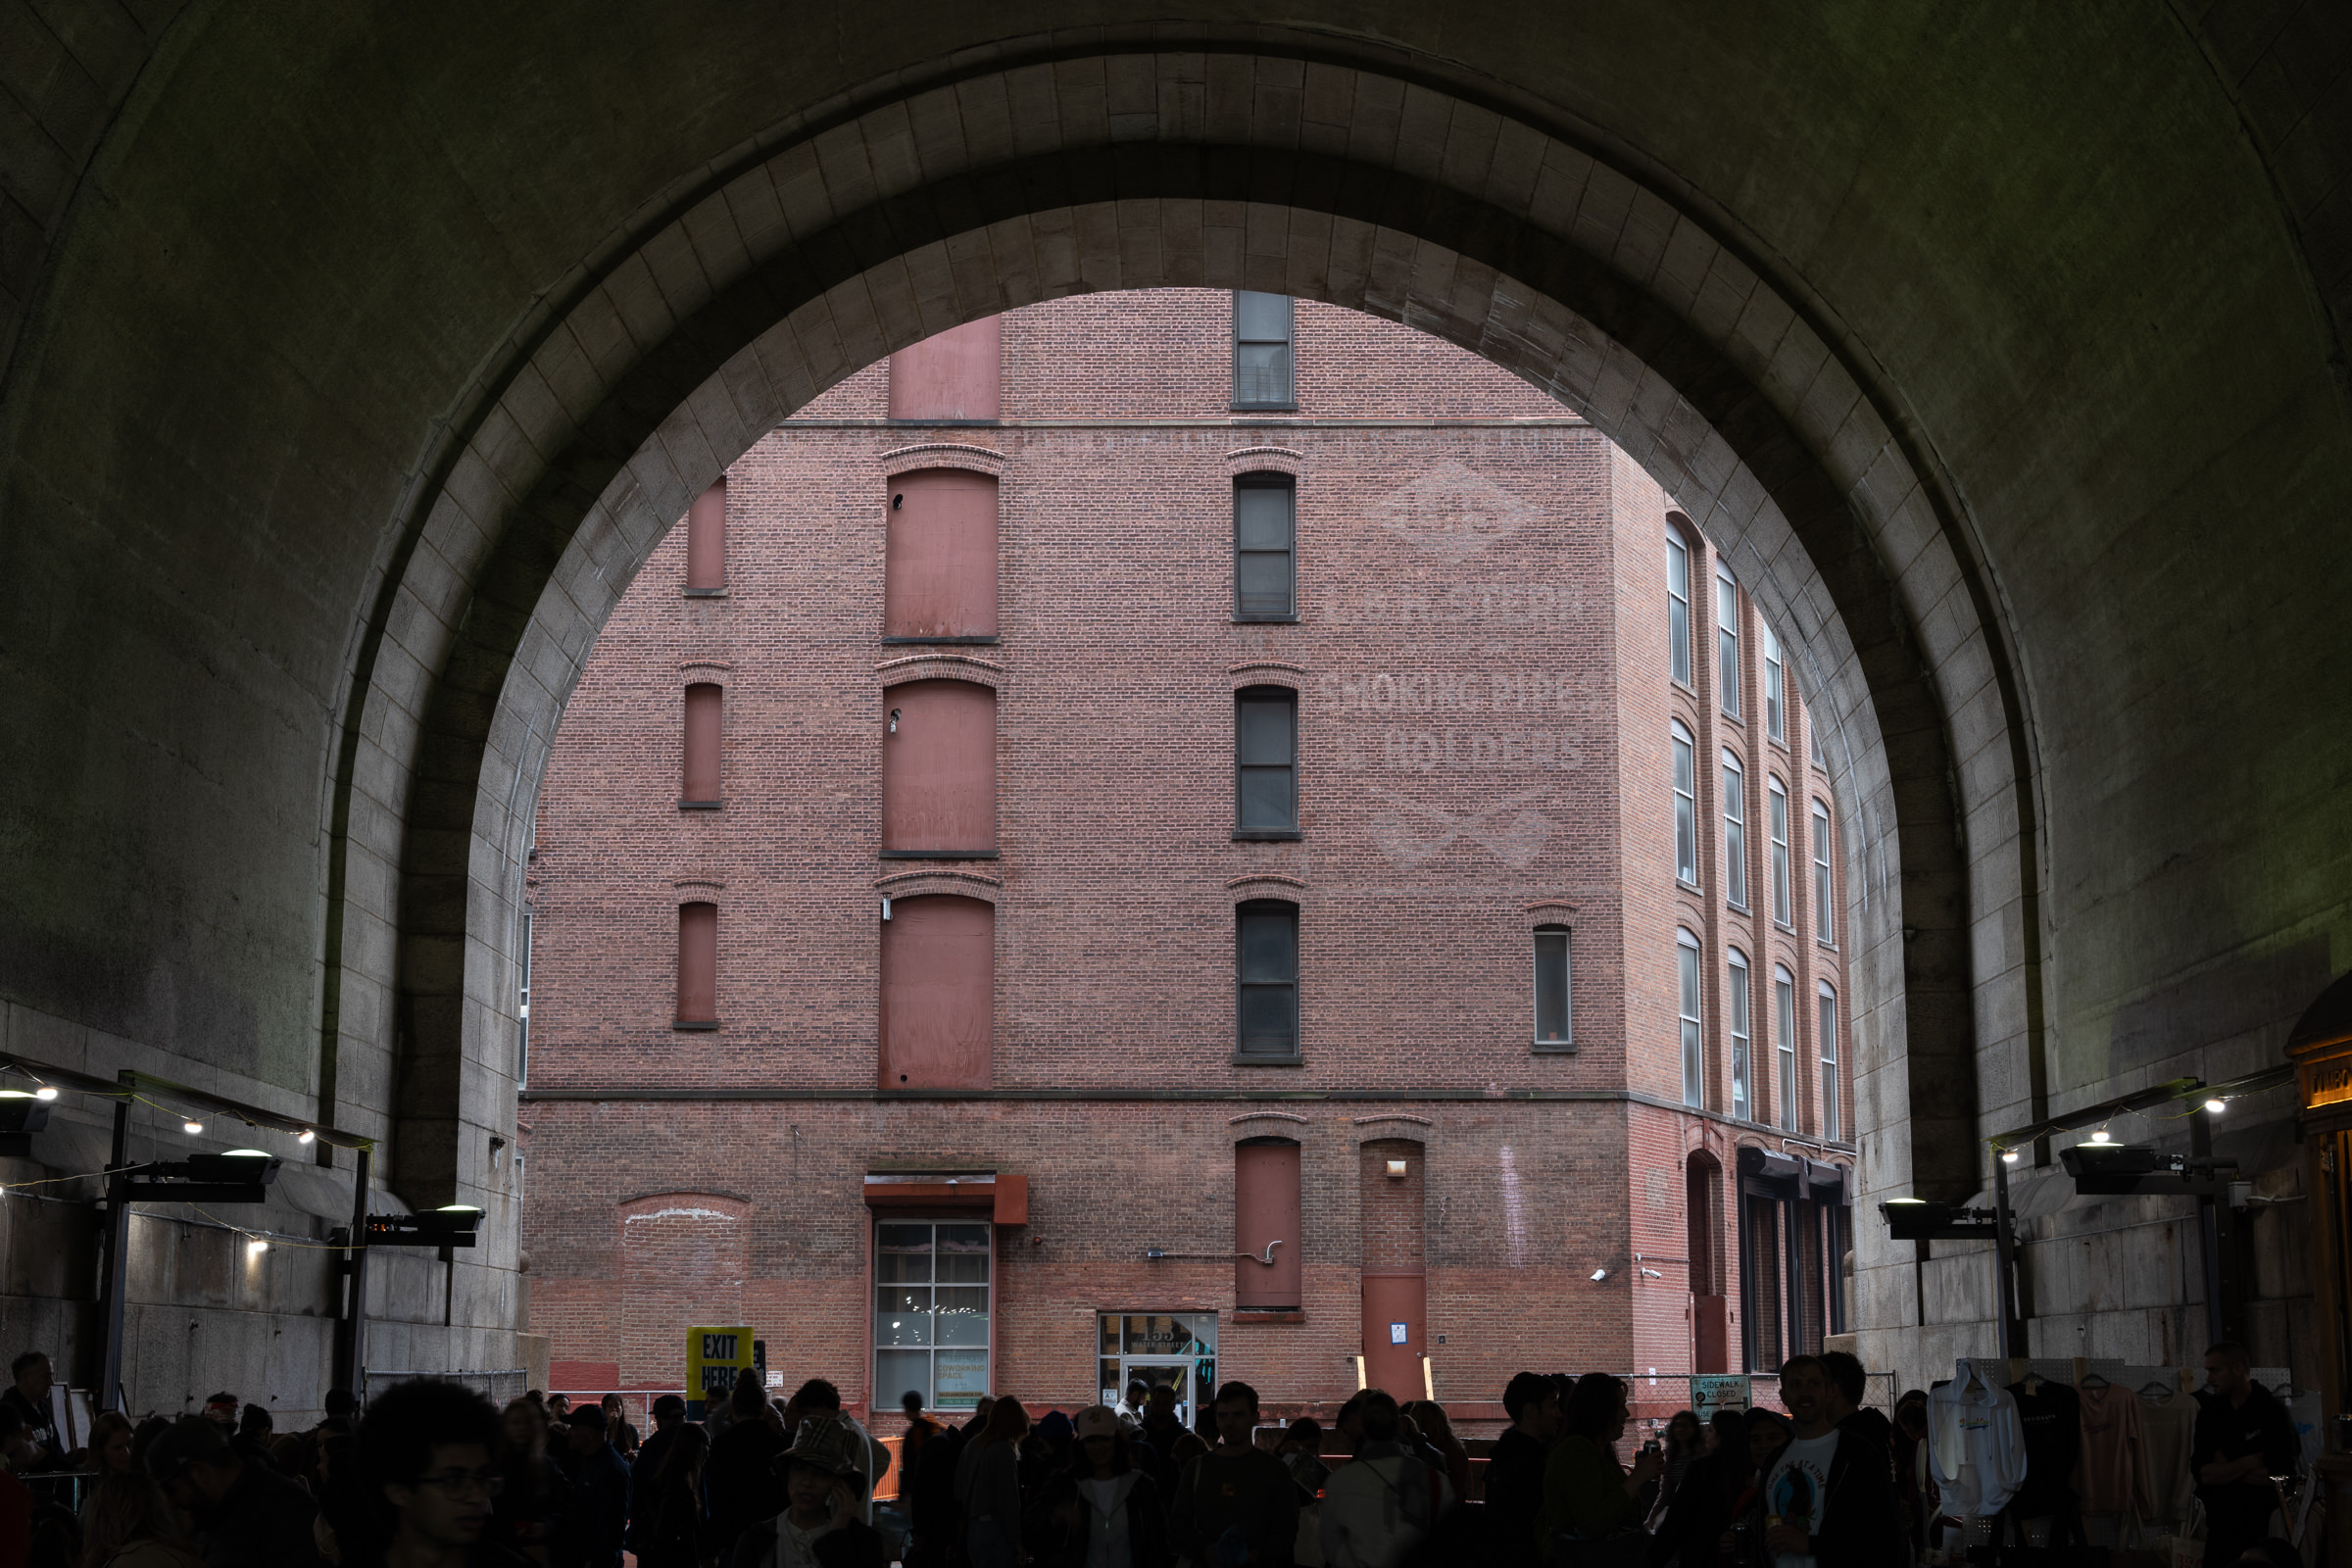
(2008, 1157)
(255, 1246)
(192, 1127)
(2099, 1136)
(2213, 1106)
(307, 1137)
(45, 1092)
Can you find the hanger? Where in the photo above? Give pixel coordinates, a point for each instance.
(2091, 1380)
(2154, 1388)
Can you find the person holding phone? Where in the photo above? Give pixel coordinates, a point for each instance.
(823, 1525)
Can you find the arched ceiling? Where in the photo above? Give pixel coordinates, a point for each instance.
(274, 275)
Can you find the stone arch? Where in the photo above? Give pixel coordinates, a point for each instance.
(822, 249)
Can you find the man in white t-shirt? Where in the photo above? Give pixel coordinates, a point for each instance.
(1828, 1501)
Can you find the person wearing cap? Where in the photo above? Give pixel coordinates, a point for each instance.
(221, 1409)
(669, 1416)
(246, 1516)
(588, 1532)
(1116, 1517)
(820, 1526)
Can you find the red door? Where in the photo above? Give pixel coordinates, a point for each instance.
(1396, 1307)
(938, 995)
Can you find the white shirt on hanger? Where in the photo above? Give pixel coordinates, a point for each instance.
(1976, 1443)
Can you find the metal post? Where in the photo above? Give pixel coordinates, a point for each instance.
(351, 1363)
(2004, 1262)
(118, 1261)
(2218, 1325)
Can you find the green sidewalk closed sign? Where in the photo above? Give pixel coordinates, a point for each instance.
(715, 1359)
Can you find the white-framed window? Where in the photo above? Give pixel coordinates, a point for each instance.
(1727, 639)
(1554, 1028)
(1735, 1009)
(1829, 1061)
(1776, 722)
(1685, 808)
(1813, 740)
(1686, 953)
(933, 1288)
(1783, 1028)
(1678, 608)
(1776, 806)
(1734, 832)
(1825, 907)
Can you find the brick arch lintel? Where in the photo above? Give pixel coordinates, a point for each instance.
(1550, 911)
(1277, 885)
(933, 884)
(1266, 1115)
(943, 455)
(1265, 460)
(1268, 672)
(649, 1205)
(966, 667)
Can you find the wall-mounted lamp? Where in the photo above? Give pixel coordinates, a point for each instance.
(307, 1137)
(885, 908)
(2099, 1136)
(1651, 1274)
(255, 1246)
(2008, 1157)
(1395, 1170)
(893, 721)
(1599, 1274)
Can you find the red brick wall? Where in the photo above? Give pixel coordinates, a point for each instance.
(1481, 667)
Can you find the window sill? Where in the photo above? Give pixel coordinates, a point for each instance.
(702, 805)
(1268, 1314)
(703, 593)
(937, 855)
(1783, 925)
(1686, 887)
(694, 1025)
(1238, 1060)
(1290, 406)
(1265, 620)
(1734, 718)
(1266, 834)
(1825, 942)
(1554, 1048)
(939, 641)
(1737, 908)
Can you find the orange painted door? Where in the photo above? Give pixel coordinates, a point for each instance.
(1396, 1311)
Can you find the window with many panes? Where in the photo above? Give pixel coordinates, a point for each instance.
(1784, 1029)
(1264, 569)
(1727, 640)
(1775, 722)
(932, 1311)
(1734, 832)
(1265, 763)
(1829, 1061)
(1553, 1029)
(1262, 351)
(1775, 806)
(1686, 953)
(1825, 916)
(1685, 809)
(1678, 608)
(1735, 1009)
(1266, 980)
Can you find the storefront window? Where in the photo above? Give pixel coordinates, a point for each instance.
(1177, 1348)
(932, 1312)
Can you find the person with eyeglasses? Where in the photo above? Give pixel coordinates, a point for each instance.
(427, 1457)
(246, 1516)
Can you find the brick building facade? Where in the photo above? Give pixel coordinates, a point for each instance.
(1166, 829)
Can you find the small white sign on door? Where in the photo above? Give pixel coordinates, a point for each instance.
(1395, 1334)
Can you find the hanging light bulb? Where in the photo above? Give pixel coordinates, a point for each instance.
(2099, 1136)
(192, 1126)
(2008, 1157)
(45, 1092)
(2214, 1106)
(255, 1246)
(307, 1136)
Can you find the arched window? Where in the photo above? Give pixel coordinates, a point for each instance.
(1776, 722)
(1784, 1029)
(1685, 809)
(1734, 832)
(1727, 622)
(1828, 1063)
(1678, 607)
(1825, 909)
(1735, 1012)
(1686, 951)
(1776, 808)
(1266, 981)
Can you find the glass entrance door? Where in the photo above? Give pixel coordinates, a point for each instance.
(1176, 1348)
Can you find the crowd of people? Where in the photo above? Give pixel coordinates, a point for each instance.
(432, 1475)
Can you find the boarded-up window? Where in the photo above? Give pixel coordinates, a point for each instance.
(939, 770)
(706, 541)
(938, 993)
(1266, 958)
(698, 966)
(1267, 1216)
(956, 375)
(702, 785)
(938, 576)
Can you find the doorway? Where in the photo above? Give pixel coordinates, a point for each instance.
(1176, 1348)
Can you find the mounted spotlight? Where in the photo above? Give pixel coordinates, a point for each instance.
(441, 1228)
(22, 1114)
(1921, 1219)
(2111, 1169)
(240, 1176)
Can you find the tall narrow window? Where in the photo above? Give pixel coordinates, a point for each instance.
(1727, 622)
(1825, 912)
(1262, 351)
(1828, 1063)
(1813, 739)
(1734, 832)
(1760, 1280)
(1735, 1007)
(1267, 970)
(1678, 608)
(1267, 1218)
(1553, 1026)
(698, 966)
(1685, 809)
(1777, 806)
(522, 1026)
(1783, 1028)
(699, 790)
(1686, 954)
(1776, 722)
(1265, 763)
(706, 542)
(1265, 572)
